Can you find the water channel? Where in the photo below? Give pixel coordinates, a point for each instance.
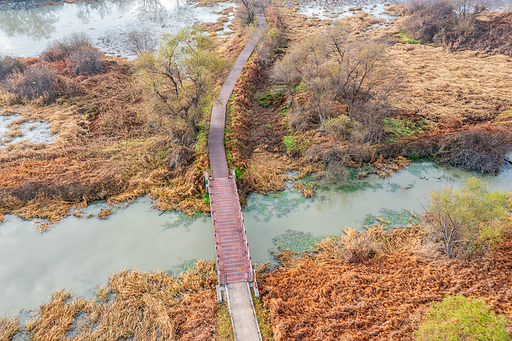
(79, 254)
(26, 27)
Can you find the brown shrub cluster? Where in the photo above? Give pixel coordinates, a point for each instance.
(492, 36)
(476, 149)
(9, 65)
(380, 298)
(61, 49)
(460, 26)
(38, 81)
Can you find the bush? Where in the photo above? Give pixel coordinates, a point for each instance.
(140, 41)
(465, 220)
(430, 20)
(61, 49)
(9, 65)
(86, 60)
(460, 318)
(476, 150)
(37, 81)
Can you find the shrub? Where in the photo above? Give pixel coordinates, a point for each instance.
(37, 81)
(465, 219)
(86, 60)
(9, 65)
(460, 318)
(404, 128)
(61, 49)
(140, 41)
(476, 150)
(430, 20)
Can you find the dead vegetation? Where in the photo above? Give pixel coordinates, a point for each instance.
(102, 150)
(348, 292)
(142, 306)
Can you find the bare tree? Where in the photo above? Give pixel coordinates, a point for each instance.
(139, 41)
(248, 11)
(338, 70)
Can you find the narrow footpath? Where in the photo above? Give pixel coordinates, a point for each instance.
(233, 260)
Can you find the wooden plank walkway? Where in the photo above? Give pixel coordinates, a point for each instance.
(234, 267)
(231, 247)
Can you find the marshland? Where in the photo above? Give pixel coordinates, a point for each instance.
(371, 143)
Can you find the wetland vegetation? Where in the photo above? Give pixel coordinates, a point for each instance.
(330, 104)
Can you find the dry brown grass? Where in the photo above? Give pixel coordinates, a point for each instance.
(267, 171)
(142, 306)
(469, 85)
(8, 328)
(380, 298)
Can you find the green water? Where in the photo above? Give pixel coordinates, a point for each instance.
(79, 254)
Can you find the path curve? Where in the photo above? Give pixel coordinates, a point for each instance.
(233, 260)
(217, 153)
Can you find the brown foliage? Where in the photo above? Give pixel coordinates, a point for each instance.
(477, 149)
(38, 81)
(493, 35)
(240, 112)
(379, 299)
(142, 306)
(9, 65)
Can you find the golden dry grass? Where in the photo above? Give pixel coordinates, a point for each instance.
(467, 85)
(268, 171)
(133, 304)
(8, 328)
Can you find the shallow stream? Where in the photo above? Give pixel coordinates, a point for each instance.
(79, 254)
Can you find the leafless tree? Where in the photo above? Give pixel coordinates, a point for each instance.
(339, 70)
(247, 11)
(139, 41)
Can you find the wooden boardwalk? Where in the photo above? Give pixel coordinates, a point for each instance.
(231, 247)
(234, 267)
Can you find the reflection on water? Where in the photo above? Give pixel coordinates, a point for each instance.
(79, 254)
(26, 32)
(37, 23)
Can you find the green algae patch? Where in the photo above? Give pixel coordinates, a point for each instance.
(391, 218)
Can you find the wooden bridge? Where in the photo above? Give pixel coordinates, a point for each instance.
(234, 268)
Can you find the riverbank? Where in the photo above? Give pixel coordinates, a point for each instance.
(336, 289)
(321, 297)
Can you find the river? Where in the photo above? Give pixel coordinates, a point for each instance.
(79, 254)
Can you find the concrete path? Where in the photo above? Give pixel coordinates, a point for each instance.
(242, 313)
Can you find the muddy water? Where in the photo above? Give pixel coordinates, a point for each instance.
(26, 29)
(78, 254)
(32, 131)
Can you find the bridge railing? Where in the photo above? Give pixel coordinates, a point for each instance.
(249, 275)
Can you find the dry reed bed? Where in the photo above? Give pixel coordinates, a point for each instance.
(471, 86)
(102, 151)
(142, 306)
(326, 298)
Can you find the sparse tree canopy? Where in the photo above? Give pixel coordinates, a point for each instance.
(182, 74)
(463, 218)
(340, 70)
